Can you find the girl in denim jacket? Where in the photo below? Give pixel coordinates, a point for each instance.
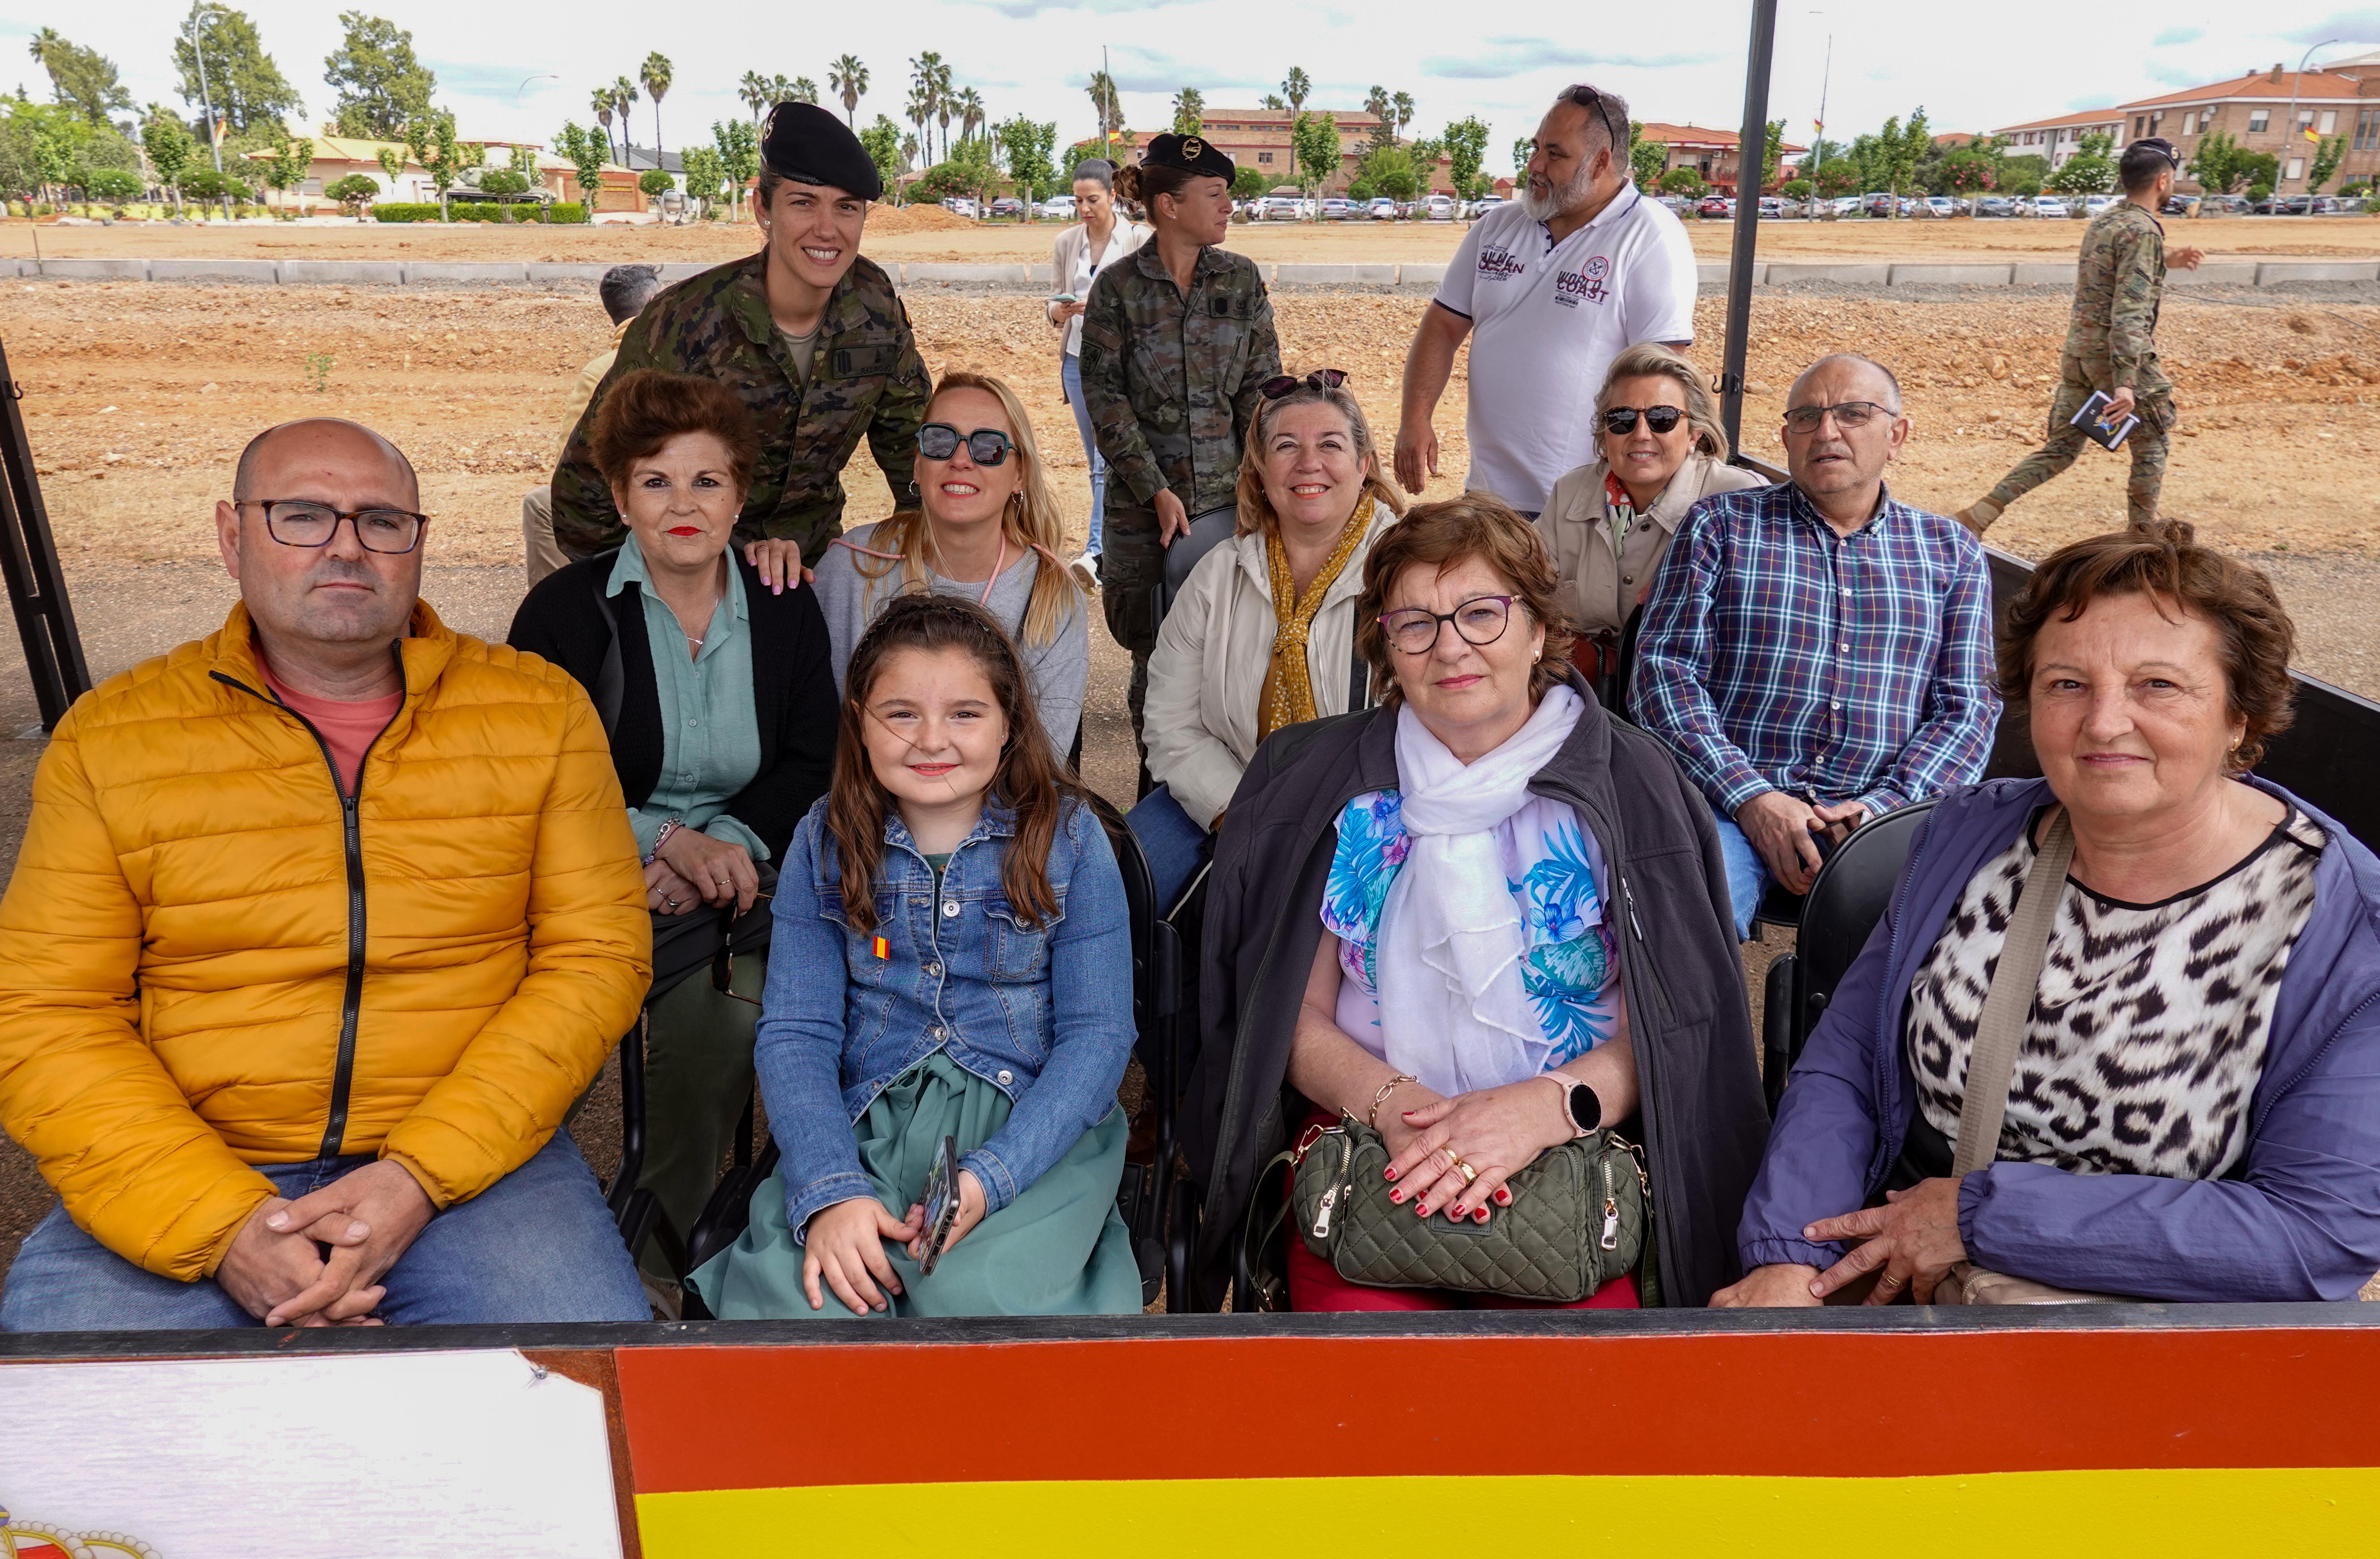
(951, 956)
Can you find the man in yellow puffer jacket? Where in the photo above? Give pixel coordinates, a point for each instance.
(320, 926)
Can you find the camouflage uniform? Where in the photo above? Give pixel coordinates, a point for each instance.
(867, 377)
(1171, 384)
(2110, 344)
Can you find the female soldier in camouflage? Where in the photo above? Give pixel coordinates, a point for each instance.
(1176, 340)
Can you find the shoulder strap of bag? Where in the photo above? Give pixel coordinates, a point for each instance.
(1359, 679)
(1999, 1033)
(610, 681)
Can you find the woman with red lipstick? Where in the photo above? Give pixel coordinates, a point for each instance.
(988, 529)
(2184, 1101)
(718, 701)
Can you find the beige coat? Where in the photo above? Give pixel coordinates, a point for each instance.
(1603, 576)
(1067, 253)
(1208, 668)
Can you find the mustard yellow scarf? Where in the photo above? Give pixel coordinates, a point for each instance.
(1288, 693)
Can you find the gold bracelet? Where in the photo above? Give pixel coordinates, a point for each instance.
(1373, 1119)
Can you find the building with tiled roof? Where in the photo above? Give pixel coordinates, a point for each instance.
(2056, 140)
(2342, 99)
(1710, 152)
(336, 156)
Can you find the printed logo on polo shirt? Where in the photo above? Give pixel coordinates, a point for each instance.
(1586, 282)
(1499, 264)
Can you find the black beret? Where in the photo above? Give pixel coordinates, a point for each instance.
(809, 145)
(1190, 153)
(2159, 145)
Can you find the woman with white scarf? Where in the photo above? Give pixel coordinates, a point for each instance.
(1466, 997)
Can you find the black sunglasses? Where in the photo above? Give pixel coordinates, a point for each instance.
(986, 446)
(1273, 389)
(1586, 96)
(1660, 419)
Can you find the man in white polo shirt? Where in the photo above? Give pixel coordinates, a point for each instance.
(1551, 286)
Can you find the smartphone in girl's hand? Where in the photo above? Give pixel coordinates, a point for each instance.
(941, 1202)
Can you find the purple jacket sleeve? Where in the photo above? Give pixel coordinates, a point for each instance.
(2300, 1224)
(1822, 1150)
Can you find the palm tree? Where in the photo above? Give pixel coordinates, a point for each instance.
(802, 90)
(655, 74)
(927, 72)
(624, 97)
(1189, 111)
(908, 151)
(848, 79)
(754, 90)
(1298, 88)
(970, 106)
(920, 113)
(1105, 103)
(603, 112)
(1403, 105)
(945, 104)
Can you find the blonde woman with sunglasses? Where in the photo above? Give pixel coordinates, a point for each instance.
(988, 530)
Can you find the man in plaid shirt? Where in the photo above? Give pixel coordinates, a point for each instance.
(1815, 653)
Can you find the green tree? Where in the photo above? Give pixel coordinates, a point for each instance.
(1836, 178)
(285, 168)
(738, 145)
(1314, 142)
(1523, 150)
(247, 89)
(602, 103)
(1683, 181)
(1466, 147)
(2215, 164)
(1107, 107)
(587, 152)
(503, 181)
(113, 185)
(1378, 103)
(171, 151)
(656, 74)
(1272, 100)
(1772, 158)
(706, 173)
(2090, 170)
(802, 90)
(1189, 111)
(1247, 182)
(1389, 170)
(382, 86)
(753, 92)
(847, 78)
(654, 183)
(969, 104)
(1647, 160)
(430, 139)
(1968, 172)
(83, 79)
(2327, 154)
(209, 185)
(1402, 104)
(1296, 89)
(623, 98)
(1028, 146)
(883, 140)
(354, 192)
(926, 94)
(2260, 170)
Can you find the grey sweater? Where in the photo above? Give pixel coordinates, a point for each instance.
(1059, 669)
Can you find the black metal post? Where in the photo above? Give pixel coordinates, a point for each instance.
(1751, 157)
(29, 556)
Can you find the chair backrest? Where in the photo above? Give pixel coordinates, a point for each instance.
(1853, 891)
(1140, 903)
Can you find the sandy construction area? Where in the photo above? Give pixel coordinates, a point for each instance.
(915, 236)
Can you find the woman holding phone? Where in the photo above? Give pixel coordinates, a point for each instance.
(1084, 250)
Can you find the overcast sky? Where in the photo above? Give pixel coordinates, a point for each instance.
(1971, 68)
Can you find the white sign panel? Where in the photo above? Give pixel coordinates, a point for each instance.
(386, 1455)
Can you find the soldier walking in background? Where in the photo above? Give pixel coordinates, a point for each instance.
(809, 334)
(2111, 342)
(625, 289)
(1177, 341)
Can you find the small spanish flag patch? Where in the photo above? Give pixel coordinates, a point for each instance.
(882, 948)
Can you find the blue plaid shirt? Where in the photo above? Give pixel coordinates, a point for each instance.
(1778, 655)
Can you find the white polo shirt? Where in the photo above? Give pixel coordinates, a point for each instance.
(1547, 320)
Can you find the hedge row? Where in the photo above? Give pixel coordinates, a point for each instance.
(561, 211)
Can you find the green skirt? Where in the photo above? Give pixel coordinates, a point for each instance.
(1060, 1249)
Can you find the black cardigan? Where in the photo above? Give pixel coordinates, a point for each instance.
(793, 686)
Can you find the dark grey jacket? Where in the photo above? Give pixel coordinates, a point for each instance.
(1703, 1122)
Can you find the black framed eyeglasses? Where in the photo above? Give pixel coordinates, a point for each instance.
(1481, 621)
(302, 522)
(985, 446)
(1660, 419)
(1848, 414)
(1273, 389)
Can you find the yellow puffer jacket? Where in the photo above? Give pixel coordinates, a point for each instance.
(175, 974)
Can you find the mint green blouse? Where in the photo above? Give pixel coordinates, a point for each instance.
(710, 733)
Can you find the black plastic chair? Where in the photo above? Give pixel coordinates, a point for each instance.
(1147, 1188)
(1853, 891)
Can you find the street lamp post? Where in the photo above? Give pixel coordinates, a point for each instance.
(1826, 74)
(2289, 125)
(207, 103)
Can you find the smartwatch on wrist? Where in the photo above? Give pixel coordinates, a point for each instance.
(1580, 1103)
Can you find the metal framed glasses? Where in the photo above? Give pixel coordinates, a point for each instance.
(1848, 414)
(985, 446)
(302, 522)
(1480, 621)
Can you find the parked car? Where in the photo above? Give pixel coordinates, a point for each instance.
(1059, 207)
(2285, 205)
(2222, 205)
(1337, 208)
(960, 205)
(1382, 209)
(1008, 205)
(1994, 205)
(1714, 205)
(1485, 204)
(1440, 207)
(1937, 206)
(1778, 206)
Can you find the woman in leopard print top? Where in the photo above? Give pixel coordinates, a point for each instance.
(2194, 1112)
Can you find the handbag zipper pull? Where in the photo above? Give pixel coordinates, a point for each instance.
(1322, 1214)
(1610, 1241)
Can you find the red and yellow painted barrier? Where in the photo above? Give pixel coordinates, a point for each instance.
(2172, 1442)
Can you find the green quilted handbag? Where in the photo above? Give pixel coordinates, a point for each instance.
(1577, 1222)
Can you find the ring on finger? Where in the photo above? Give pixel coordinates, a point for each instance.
(1469, 1174)
(1889, 1281)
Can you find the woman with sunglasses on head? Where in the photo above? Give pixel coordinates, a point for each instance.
(719, 703)
(1660, 453)
(1263, 633)
(1175, 342)
(988, 530)
(1480, 920)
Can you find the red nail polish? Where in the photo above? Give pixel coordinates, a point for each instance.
(1391, 1174)
(1503, 1198)
(1397, 1196)
(1422, 1208)
(1481, 1216)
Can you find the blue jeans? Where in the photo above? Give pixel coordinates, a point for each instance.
(538, 1245)
(1073, 375)
(1174, 844)
(1748, 881)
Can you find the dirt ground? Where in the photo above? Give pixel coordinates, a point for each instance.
(914, 234)
(137, 397)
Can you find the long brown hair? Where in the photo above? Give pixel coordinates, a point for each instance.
(1032, 520)
(1031, 782)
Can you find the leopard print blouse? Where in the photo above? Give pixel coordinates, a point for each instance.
(2147, 1033)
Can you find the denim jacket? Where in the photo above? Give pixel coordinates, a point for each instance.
(1043, 1014)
